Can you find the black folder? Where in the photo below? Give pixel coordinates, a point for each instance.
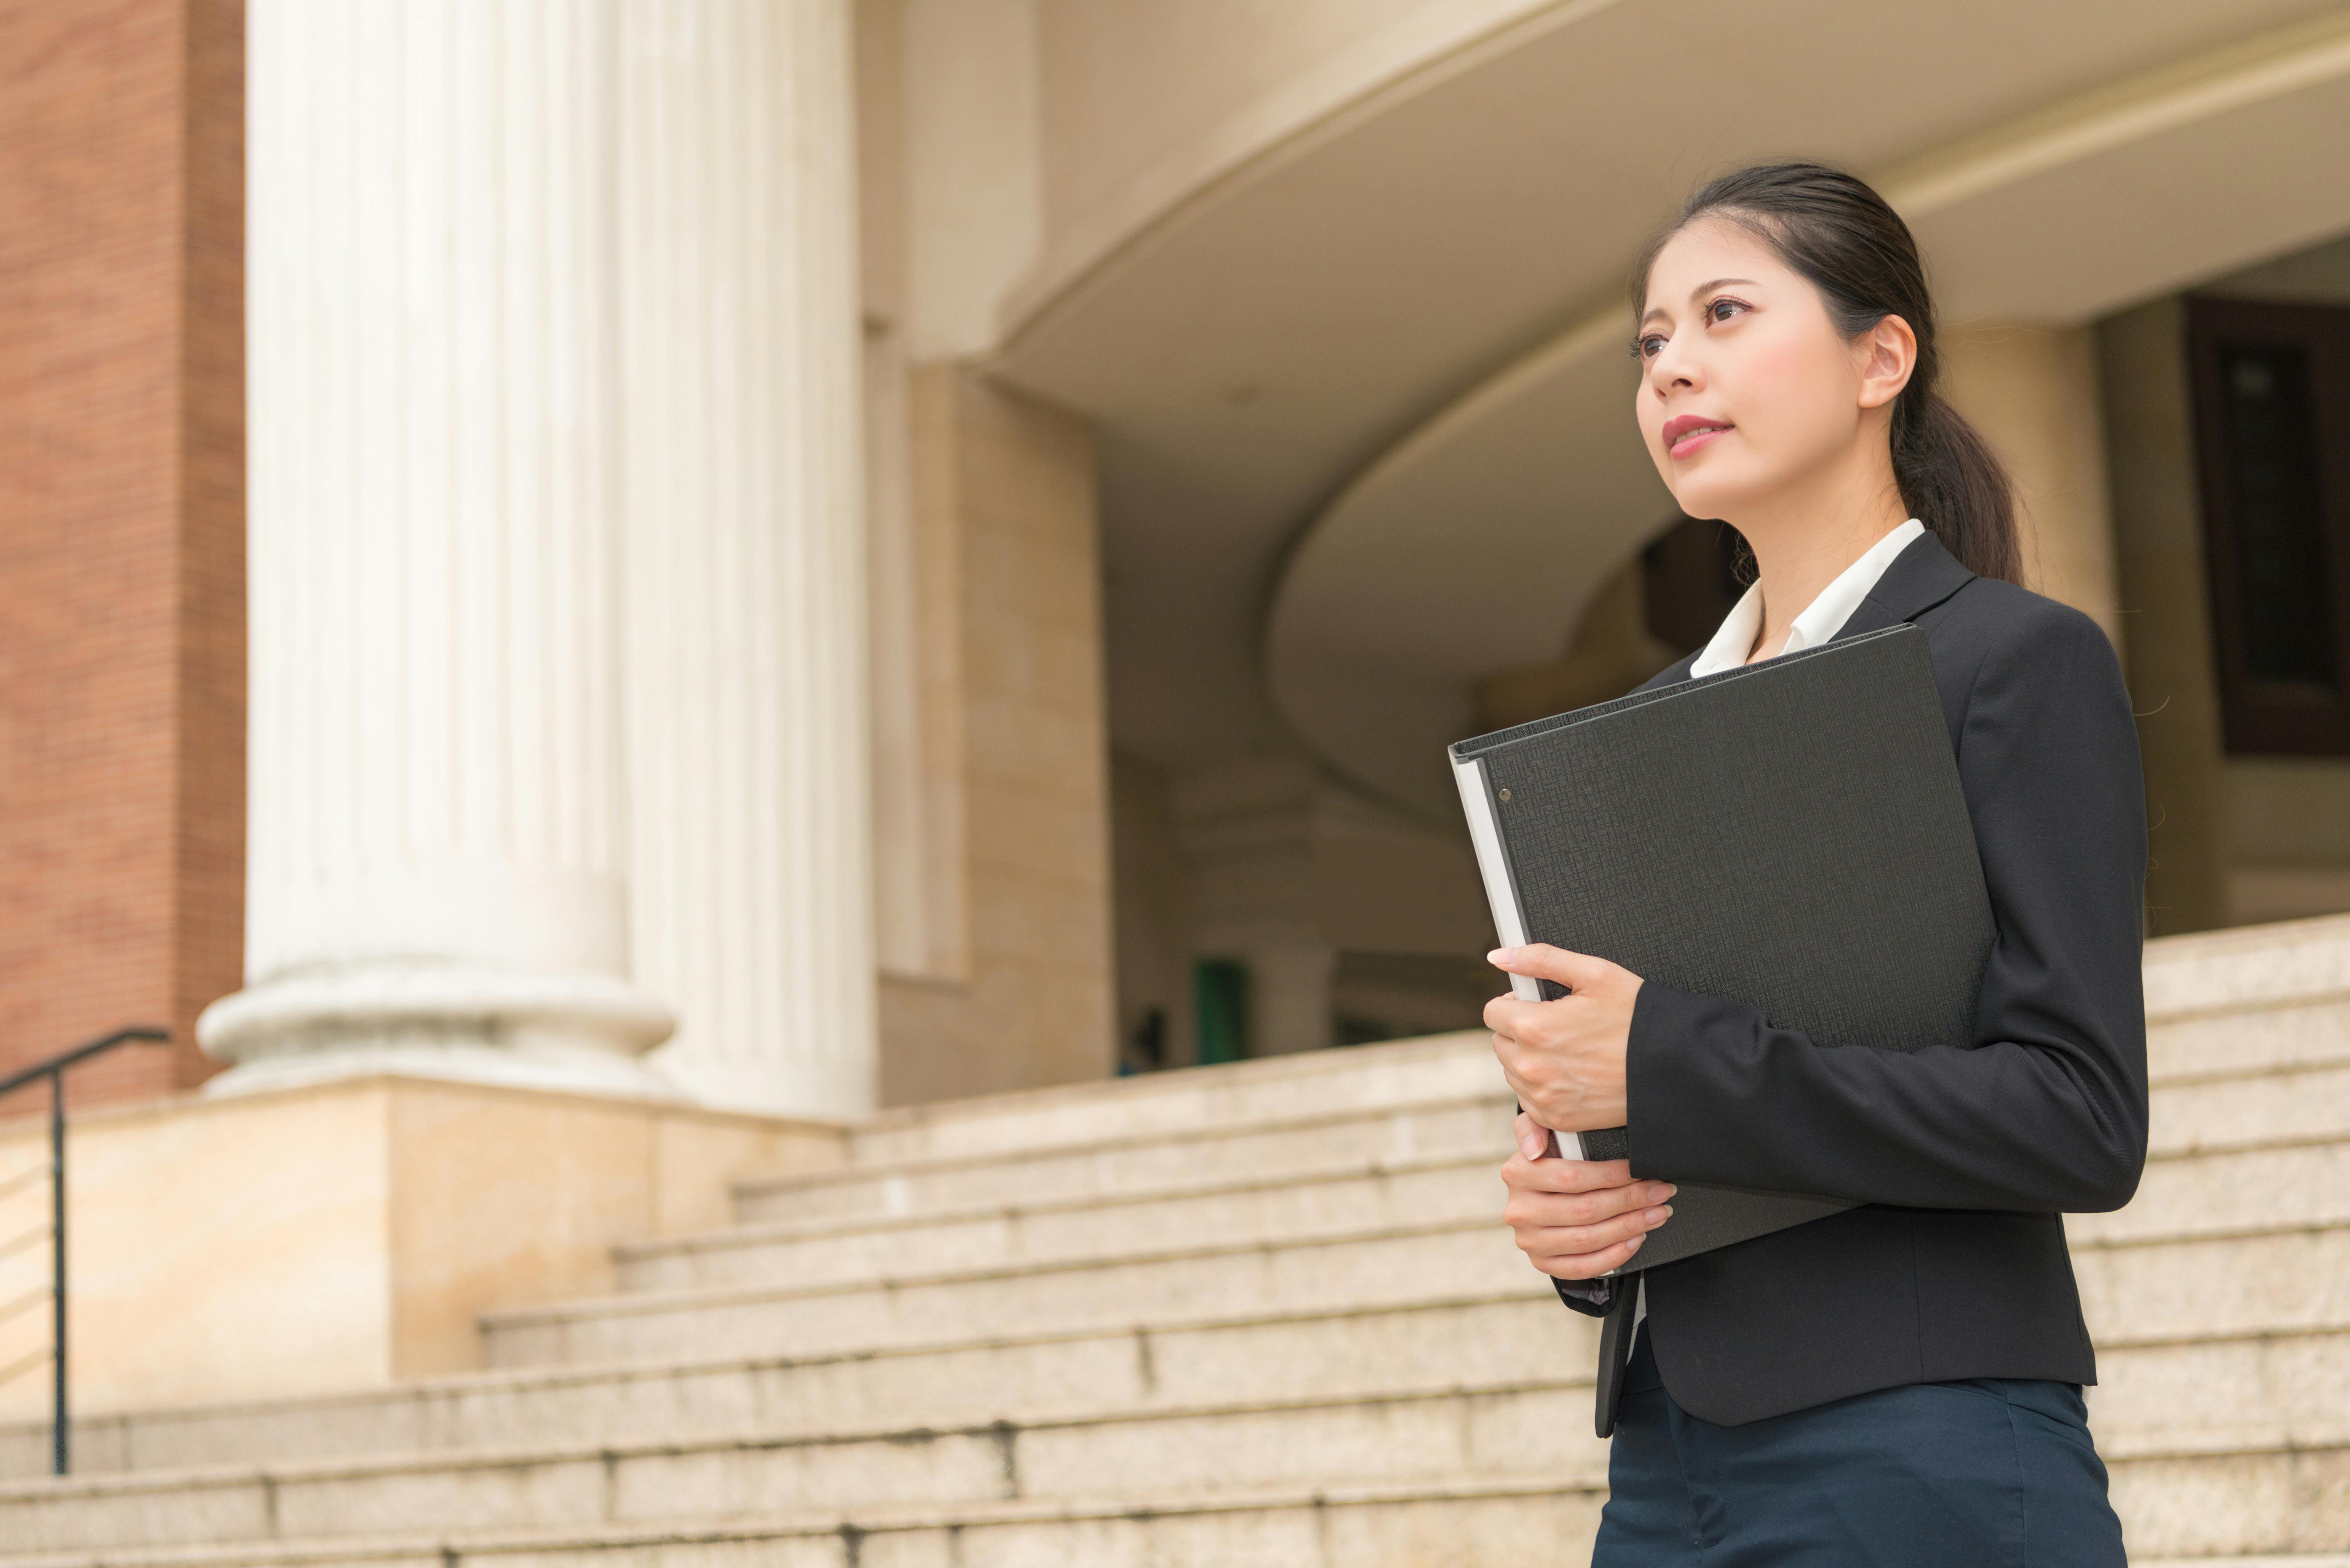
(1789, 833)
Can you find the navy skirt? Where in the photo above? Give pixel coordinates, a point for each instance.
(1981, 1474)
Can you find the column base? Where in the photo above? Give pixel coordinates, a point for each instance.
(835, 1088)
(578, 1033)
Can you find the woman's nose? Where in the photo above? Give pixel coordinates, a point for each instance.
(1673, 367)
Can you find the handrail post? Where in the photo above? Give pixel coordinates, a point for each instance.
(53, 1070)
(61, 1433)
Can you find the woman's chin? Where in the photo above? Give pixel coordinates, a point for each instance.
(1711, 496)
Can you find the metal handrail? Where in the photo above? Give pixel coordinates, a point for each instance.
(53, 1070)
(149, 1032)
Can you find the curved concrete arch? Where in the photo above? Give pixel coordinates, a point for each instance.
(1245, 355)
(1395, 601)
(1406, 54)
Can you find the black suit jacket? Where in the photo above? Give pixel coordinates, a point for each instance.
(1964, 1159)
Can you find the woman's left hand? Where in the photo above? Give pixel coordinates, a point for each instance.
(1566, 1058)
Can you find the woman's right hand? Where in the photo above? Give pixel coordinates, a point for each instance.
(1577, 1219)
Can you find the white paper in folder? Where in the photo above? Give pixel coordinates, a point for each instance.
(1509, 924)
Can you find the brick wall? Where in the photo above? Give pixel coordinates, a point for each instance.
(121, 528)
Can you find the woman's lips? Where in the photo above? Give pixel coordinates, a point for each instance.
(1689, 434)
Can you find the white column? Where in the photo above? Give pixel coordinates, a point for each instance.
(437, 846)
(745, 610)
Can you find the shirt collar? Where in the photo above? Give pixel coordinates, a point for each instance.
(1819, 622)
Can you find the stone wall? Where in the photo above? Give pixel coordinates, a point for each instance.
(1007, 486)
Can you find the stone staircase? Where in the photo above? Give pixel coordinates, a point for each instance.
(1254, 1314)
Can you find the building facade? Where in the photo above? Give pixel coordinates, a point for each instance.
(797, 556)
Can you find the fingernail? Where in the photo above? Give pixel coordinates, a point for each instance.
(1500, 955)
(1530, 1146)
(1659, 1216)
(1660, 1190)
(1636, 1240)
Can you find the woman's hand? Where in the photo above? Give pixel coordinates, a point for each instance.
(1566, 1058)
(1577, 1219)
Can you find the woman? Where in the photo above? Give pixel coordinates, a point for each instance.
(1898, 1384)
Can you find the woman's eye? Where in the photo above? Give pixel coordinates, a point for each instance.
(1649, 346)
(1724, 310)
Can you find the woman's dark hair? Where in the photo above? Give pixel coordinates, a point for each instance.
(1857, 251)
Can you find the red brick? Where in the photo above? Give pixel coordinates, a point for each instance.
(121, 528)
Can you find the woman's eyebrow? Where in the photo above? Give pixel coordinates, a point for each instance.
(1701, 289)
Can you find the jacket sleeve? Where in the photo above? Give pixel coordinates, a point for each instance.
(2047, 1110)
(1592, 1298)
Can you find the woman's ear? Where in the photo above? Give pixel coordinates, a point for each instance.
(1887, 353)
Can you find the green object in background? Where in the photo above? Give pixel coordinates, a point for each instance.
(1220, 995)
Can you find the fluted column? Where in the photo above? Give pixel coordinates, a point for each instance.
(438, 849)
(750, 852)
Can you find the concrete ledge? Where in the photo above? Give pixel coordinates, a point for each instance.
(346, 1235)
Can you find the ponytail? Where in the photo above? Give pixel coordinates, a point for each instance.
(1855, 249)
(1954, 483)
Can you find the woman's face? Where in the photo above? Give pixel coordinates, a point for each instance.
(1747, 389)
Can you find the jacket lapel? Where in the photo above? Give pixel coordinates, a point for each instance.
(1922, 577)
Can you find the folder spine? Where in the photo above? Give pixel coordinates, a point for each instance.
(1501, 892)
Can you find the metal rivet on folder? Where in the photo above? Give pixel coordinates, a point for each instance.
(1505, 794)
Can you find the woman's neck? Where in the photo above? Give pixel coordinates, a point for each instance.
(1803, 542)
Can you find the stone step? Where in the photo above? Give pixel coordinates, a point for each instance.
(2247, 967)
(1153, 1163)
(2296, 1376)
(2214, 1192)
(2202, 1180)
(2244, 1387)
(2234, 1496)
(1340, 1271)
(2275, 1279)
(2297, 1103)
(1403, 1073)
(1446, 1523)
(2230, 1000)
(2239, 1001)
(1164, 1130)
(2265, 1039)
(1420, 1348)
(2287, 1278)
(2250, 1508)
(1365, 1194)
(1527, 1428)
(2304, 1103)
(2233, 1000)
(2268, 1094)
(2135, 1276)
